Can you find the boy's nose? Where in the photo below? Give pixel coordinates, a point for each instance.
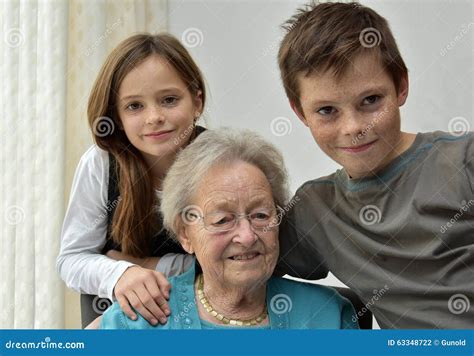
(352, 124)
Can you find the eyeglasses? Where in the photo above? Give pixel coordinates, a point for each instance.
(260, 220)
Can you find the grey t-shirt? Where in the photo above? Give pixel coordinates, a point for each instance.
(403, 240)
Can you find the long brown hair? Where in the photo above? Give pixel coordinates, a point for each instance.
(136, 219)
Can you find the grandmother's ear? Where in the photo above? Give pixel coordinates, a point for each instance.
(184, 239)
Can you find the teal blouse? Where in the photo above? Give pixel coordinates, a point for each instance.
(291, 305)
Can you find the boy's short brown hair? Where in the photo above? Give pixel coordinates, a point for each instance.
(328, 36)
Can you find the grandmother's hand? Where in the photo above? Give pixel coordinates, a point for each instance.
(146, 291)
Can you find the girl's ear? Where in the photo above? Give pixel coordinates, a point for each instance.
(198, 104)
(184, 239)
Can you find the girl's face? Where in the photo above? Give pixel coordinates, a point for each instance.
(156, 108)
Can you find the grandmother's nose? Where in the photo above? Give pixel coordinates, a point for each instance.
(243, 233)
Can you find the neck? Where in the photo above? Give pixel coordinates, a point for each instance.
(234, 303)
(159, 167)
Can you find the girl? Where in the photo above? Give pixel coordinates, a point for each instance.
(142, 110)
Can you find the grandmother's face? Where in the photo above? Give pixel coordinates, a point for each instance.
(241, 257)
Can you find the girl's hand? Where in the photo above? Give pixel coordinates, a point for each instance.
(146, 291)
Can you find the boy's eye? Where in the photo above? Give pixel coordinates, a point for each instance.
(134, 106)
(327, 110)
(371, 100)
(170, 100)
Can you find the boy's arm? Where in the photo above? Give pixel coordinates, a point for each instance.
(298, 257)
(470, 161)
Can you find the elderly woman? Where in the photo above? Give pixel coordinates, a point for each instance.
(222, 200)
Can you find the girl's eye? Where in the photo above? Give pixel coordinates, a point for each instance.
(170, 100)
(327, 110)
(134, 106)
(372, 99)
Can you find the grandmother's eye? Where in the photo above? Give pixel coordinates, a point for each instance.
(260, 216)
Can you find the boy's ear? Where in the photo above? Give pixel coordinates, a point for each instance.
(403, 90)
(184, 239)
(298, 113)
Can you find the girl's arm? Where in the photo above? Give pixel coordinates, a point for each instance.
(80, 262)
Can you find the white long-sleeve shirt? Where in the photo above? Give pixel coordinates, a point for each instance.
(80, 262)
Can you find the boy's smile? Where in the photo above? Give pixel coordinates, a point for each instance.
(355, 117)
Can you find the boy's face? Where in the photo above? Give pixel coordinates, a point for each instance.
(355, 118)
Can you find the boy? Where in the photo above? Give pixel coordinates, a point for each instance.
(396, 223)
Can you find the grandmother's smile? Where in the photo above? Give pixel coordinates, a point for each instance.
(246, 257)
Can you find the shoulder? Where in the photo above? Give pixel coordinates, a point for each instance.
(318, 188)
(447, 140)
(311, 305)
(302, 291)
(95, 156)
(94, 164)
(115, 318)
(449, 151)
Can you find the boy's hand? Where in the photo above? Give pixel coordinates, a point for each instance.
(146, 291)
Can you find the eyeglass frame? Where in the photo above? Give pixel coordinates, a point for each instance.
(279, 215)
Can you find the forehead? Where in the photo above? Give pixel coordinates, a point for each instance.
(234, 183)
(154, 73)
(364, 73)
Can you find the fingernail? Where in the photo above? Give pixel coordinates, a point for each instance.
(167, 312)
(134, 317)
(154, 321)
(163, 320)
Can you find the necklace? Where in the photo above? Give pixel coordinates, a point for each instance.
(222, 318)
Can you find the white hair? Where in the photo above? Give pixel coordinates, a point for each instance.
(210, 149)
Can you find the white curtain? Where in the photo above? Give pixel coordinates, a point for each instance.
(50, 54)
